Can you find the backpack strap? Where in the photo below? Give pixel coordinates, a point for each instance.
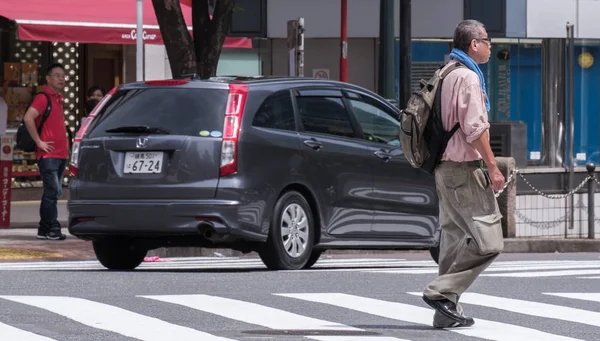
(454, 129)
(445, 73)
(46, 112)
(449, 69)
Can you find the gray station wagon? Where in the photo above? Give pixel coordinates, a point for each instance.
(285, 167)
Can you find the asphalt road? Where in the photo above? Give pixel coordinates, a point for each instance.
(529, 297)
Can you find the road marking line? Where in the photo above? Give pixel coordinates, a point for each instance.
(355, 338)
(257, 314)
(248, 312)
(545, 273)
(114, 319)
(9, 333)
(490, 269)
(484, 329)
(531, 308)
(590, 296)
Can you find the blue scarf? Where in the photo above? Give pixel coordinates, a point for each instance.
(467, 61)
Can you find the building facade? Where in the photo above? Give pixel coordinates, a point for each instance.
(527, 76)
(529, 49)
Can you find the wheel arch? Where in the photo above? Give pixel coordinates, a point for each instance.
(312, 202)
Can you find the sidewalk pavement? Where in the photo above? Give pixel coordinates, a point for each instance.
(19, 242)
(26, 214)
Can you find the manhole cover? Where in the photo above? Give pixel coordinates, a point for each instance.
(311, 332)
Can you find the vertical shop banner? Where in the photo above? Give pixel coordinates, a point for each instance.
(6, 159)
(501, 86)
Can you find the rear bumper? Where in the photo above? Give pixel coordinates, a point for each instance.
(90, 219)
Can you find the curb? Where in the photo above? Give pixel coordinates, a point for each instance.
(541, 245)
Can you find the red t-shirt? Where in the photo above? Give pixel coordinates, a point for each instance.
(54, 129)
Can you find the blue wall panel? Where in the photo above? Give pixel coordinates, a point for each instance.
(587, 88)
(526, 93)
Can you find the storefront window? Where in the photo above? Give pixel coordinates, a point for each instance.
(537, 74)
(23, 75)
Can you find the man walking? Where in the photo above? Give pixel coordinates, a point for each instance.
(469, 214)
(52, 150)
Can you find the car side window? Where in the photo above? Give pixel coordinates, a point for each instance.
(376, 124)
(276, 112)
(325, 115)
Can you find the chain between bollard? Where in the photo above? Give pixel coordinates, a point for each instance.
(558, 196)
(591, 180)
(515, 171)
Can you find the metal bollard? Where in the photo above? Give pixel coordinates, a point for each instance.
(591, 193)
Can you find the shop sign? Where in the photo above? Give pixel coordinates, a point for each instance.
(133, 35)
(6, 160)
(321, 73)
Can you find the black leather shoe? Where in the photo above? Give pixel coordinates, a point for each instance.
(448, 309)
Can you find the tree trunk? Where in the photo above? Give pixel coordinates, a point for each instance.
(177, 39)
(210, 34)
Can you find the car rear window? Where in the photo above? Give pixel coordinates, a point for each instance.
(188, 111)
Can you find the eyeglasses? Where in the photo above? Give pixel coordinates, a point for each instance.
(487, 40)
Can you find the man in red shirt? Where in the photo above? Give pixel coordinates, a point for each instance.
(52, 149)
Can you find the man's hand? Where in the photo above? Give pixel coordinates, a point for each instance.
(45, 146)
(497, 179)
(482, 144)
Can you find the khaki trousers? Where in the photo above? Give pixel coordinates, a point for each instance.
(471, 230)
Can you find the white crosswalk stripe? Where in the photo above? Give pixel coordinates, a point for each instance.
(588, 296)
(531, 308)
(535, 274)
(385, 266)
(514, 269)
(258, 314)
(110, 318)
(497, 268)
(9, 333)
(146, 328)
(212, 263)
(488, 330)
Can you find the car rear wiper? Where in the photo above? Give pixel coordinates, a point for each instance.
(138, 129)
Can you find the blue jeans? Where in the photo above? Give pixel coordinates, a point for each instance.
(51, 172)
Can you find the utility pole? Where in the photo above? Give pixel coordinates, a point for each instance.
(405, 52)
(386, 74)
(139, 43)
(344, 42)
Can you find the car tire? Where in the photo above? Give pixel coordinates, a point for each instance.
(435, 254)
(274, 254)
(118, 254)
(314, 257)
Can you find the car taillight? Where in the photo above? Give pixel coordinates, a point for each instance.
(74, 164)
(236, 101)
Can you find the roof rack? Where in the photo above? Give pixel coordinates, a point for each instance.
(235, 77)
(188, 75)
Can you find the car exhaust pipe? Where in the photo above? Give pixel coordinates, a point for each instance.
(206, 229)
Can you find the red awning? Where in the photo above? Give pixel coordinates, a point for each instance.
(102, 22)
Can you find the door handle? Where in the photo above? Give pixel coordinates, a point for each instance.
(385, 156)
(314, 144)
